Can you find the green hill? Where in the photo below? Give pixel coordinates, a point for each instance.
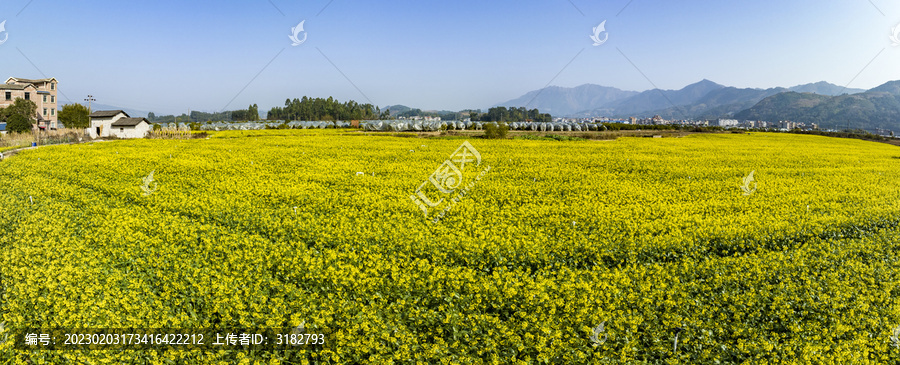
(876, 108)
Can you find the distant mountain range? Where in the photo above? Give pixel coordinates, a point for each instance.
(563, 101)
(397, 109)
(829, 105)
(876, 108)
(703, 99)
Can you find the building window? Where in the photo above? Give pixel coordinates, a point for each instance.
(27, 96)
(45, 98)
(52, 111)
(8, 95)
(52, 86)
(121, 130)
(52, 98)
(45, 111)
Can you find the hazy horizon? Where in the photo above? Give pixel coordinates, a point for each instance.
(168, 57)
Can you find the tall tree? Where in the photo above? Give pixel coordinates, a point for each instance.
(253, 110)
(16, 123)
(75, 116)
(25, 108)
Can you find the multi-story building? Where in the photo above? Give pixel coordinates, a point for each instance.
(786, 124)
(728, 123)
(42, 92)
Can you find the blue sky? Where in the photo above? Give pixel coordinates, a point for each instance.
(171, 56)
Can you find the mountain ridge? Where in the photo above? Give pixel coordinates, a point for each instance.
(876, 108)
(696, 100)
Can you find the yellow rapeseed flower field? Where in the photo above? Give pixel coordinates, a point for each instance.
(670, 243)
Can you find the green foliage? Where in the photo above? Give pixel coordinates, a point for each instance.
(198, 117)
(249, 114)
(16, 123)
(25, 108)
(314, 109)
(492, 131)
(556, 137)
(549, 137)
(75, 116)
(253, 112)
(502, 114)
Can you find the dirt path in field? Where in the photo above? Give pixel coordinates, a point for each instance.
(7, 154)
(11, 153)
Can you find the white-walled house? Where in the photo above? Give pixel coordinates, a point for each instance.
(117, 123)
(130, 128)
(102, 120)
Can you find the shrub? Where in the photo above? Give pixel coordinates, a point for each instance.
(493, 131)
(18, 123)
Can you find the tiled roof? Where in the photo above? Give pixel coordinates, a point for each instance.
(129, 122)
(107, 113)
(15, 87)
(30, 81)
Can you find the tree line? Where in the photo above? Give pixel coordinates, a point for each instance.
(313, 109)
(240, 115)
(520, 114)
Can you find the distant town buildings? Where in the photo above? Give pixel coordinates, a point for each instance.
(722, 122)
(41, 91)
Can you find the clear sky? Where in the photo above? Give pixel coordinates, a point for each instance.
(170, 56)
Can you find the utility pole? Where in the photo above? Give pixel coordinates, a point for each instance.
(90, 99)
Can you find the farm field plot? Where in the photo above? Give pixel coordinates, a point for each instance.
(660, 240)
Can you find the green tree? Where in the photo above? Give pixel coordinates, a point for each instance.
(239, 115)
(75, 116)
(16, 123)
(323, 109)
(492, 131)
(253, 112)
(25, 108)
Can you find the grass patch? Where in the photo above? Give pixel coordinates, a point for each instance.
(549, 137)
